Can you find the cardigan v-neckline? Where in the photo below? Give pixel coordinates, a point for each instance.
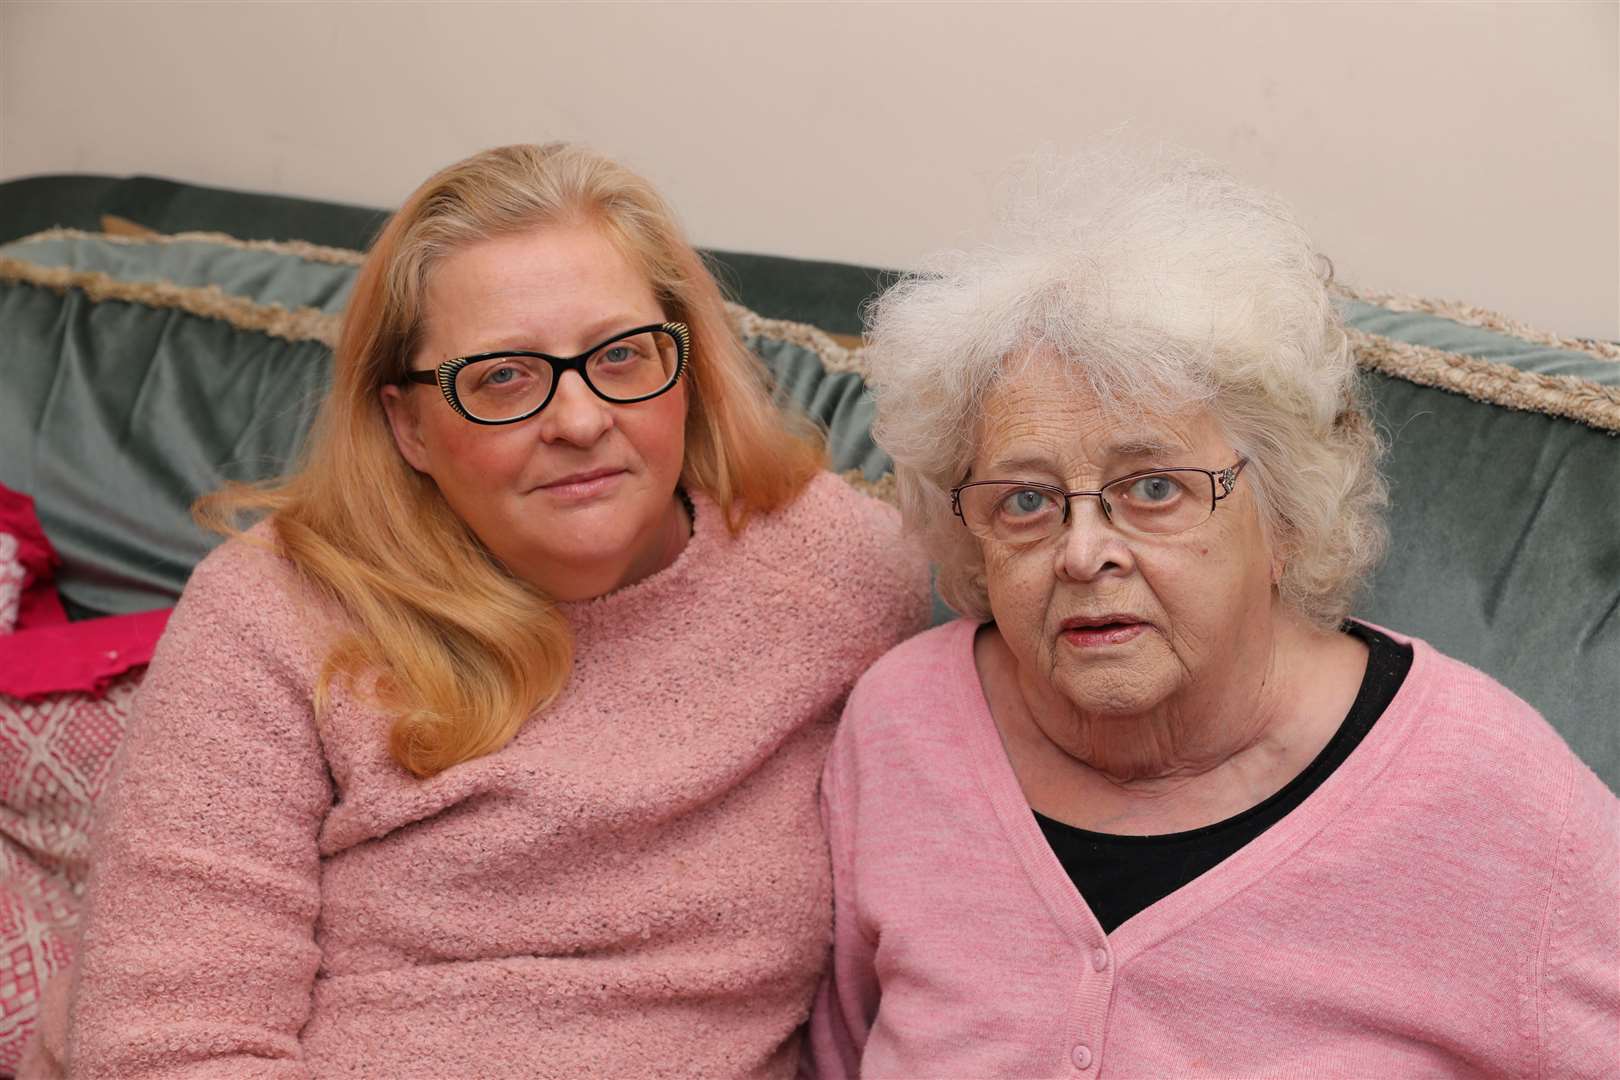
(1063, 902)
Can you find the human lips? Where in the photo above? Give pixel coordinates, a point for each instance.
(582, 484)
(1099, 631)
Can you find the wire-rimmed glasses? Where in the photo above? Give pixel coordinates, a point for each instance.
(1153, 502)
(505, 387)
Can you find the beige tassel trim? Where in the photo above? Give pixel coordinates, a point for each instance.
(1573, 398)
(122, 231)
(210, 302)
(1486, 381)
(1493, 383)
(125, 235)
(834, 357)
(1469, 315)
(881, 488)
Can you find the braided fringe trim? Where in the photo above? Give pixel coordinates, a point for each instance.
(1485, 381)
(1567, 396)
(1485, 319)
(210, 302)
(881, 488)
(779, 329)
(834, 357)
(298, 248)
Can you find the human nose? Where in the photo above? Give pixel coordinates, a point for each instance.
(574, 414)
(1090, 546)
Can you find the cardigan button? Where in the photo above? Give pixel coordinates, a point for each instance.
(1099, 959)
(1082, 1056)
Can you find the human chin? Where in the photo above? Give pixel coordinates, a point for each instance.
(602, 539)
(1125, 679)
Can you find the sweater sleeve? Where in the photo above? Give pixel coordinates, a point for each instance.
(1580, 972)
(847, 1001)
(199, 954)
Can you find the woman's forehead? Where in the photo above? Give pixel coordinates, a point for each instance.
(1059, 423)
(554, 288)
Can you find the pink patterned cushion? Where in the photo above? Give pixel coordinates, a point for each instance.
(65, 693)
(55, 754)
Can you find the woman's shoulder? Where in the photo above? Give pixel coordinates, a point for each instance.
(944, 650)
(246, 590)
(837, 538)
(915, 720)
(247, 559)
(830, 511)
(1469, 724)
(1459, 690)
(927, 678)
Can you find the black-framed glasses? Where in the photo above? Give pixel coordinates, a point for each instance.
(505, 387)
(1153, 502)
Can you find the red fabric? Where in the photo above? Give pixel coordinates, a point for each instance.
(83, 656)
(40, 651)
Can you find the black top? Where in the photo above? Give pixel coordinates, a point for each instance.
(1120, 875)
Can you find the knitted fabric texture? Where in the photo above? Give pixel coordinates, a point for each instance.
(1447, 903)
(637, 885)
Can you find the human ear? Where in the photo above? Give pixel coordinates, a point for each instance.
(406, 427)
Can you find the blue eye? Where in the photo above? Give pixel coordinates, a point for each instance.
(1154, 489)
(1026, 501)
(502, 376)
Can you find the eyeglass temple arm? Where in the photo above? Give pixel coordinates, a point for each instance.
(1227, 478)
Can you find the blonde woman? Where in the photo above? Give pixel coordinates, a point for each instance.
(493, 751)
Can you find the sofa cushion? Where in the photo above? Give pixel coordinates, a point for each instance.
(129, 398)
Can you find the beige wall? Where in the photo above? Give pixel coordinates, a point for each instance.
(1469, 151)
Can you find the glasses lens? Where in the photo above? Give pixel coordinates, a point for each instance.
(503, 387)
(635, 366)
(1161, 502)
(1011, 513)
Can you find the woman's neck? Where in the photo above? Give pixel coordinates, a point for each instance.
(662, 545)
(1205, 753)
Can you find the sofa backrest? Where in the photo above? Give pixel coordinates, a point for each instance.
(142, 371)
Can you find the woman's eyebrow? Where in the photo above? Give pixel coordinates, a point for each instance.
(1143, 446)
(1133, 446)
(595, 332)
(1027, 464)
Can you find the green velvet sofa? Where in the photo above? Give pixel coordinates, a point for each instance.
(142, 370)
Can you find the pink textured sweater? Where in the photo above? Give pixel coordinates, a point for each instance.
(636, 886)
(1447, 904)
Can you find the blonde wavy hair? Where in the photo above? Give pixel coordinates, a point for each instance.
(1161, 283)
(462, 652)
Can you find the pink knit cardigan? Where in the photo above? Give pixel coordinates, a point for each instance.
(636, 885)
(1446, 904)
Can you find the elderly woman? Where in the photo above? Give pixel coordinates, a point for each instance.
(1154, 807)
(493, 751)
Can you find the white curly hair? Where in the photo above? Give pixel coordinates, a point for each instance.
(1163, 283)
